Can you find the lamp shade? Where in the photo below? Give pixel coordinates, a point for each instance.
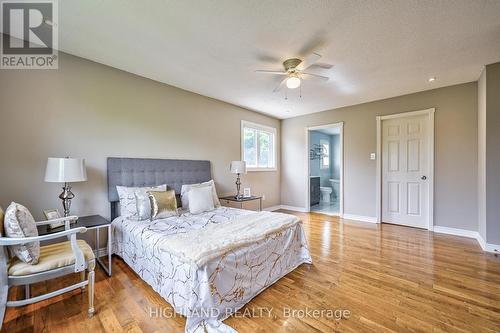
(65, 170)
(238, 167)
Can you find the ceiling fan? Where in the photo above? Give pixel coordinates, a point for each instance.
(294, 71)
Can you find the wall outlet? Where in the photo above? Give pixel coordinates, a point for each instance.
(263, 197)
(373, 156)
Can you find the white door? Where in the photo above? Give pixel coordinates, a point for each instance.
(405, 171)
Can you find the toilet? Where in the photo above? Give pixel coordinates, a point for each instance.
(325, 193)
(335, 187)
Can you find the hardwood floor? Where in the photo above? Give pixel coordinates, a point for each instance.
(388, 278)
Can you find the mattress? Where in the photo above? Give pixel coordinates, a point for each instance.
(207, 294)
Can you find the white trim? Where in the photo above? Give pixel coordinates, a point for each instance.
(456, 232)
(488, 247)
(481, 242)
(430, 112)
(494, 248)
(272, 208)
(378, 196)
(274, 145)
(361, 218)
(340, 126)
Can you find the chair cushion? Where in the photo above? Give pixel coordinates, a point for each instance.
(19, 223)
(51, 257)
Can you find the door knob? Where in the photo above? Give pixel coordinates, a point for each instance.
(423, 177)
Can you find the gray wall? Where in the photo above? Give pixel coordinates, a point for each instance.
(455, 152)
(481, 154)
(493, 153)
(88, 110)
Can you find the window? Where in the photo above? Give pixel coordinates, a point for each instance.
(325, 154)
(258, 146)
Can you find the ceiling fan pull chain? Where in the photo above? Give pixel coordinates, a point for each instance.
(300, 91)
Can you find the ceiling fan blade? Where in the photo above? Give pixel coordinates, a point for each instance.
(280, 85)
(322, 65)
(314, 76)
(271, 72)
(308, 61)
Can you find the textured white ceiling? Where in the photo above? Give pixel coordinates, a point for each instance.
(379, 49)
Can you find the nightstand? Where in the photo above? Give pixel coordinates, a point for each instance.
(90, 222)
(232, 198)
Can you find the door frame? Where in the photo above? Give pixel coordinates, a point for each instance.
(340, 126)
(430, 134)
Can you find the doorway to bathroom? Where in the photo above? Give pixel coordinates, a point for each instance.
(325, 169)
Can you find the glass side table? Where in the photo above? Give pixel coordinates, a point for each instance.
(241, 200)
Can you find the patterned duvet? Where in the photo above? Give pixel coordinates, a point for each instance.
(208, 294)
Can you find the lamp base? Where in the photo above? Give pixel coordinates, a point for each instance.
(238, 186)
(66, 197)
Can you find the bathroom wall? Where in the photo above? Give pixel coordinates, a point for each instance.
(335, 155)
(333, 171)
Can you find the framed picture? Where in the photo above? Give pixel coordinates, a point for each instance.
(246, 192)
(51, 214)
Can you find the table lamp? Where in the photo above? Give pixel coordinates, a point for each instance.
(65, 170)
(238, 167)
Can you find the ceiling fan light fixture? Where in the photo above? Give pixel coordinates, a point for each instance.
(293, 82)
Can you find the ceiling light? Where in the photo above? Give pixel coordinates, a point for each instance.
(293, 82)
(432, 79)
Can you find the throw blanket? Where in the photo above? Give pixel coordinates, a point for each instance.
(202, 245)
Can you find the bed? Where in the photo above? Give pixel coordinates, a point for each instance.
(213, 285)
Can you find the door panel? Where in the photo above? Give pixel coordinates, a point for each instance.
(405, 192)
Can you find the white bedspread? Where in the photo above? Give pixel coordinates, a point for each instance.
(202, 245)
(208, 291)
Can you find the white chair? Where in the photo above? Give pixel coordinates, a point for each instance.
(56, 260)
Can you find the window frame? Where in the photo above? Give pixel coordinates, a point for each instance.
(322, 166)
(274, 147)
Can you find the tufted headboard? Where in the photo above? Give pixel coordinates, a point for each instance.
(150, 172)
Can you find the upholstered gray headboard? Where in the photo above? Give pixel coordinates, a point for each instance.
(149, 172)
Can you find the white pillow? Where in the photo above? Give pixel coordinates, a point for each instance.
(186, 188)
(200, 200)
(19, 223)
(128, 201)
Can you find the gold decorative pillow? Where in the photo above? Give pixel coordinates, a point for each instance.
(163, 204)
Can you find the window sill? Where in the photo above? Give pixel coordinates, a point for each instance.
(261, 169)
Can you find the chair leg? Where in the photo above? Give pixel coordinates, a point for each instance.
(82, 278)
(27, 291)
(91, 294)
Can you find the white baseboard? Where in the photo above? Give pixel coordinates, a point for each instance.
(470, 234)
(369, 219)
(488, 247)
(456, 232)
(272, 208)
(294, 208)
